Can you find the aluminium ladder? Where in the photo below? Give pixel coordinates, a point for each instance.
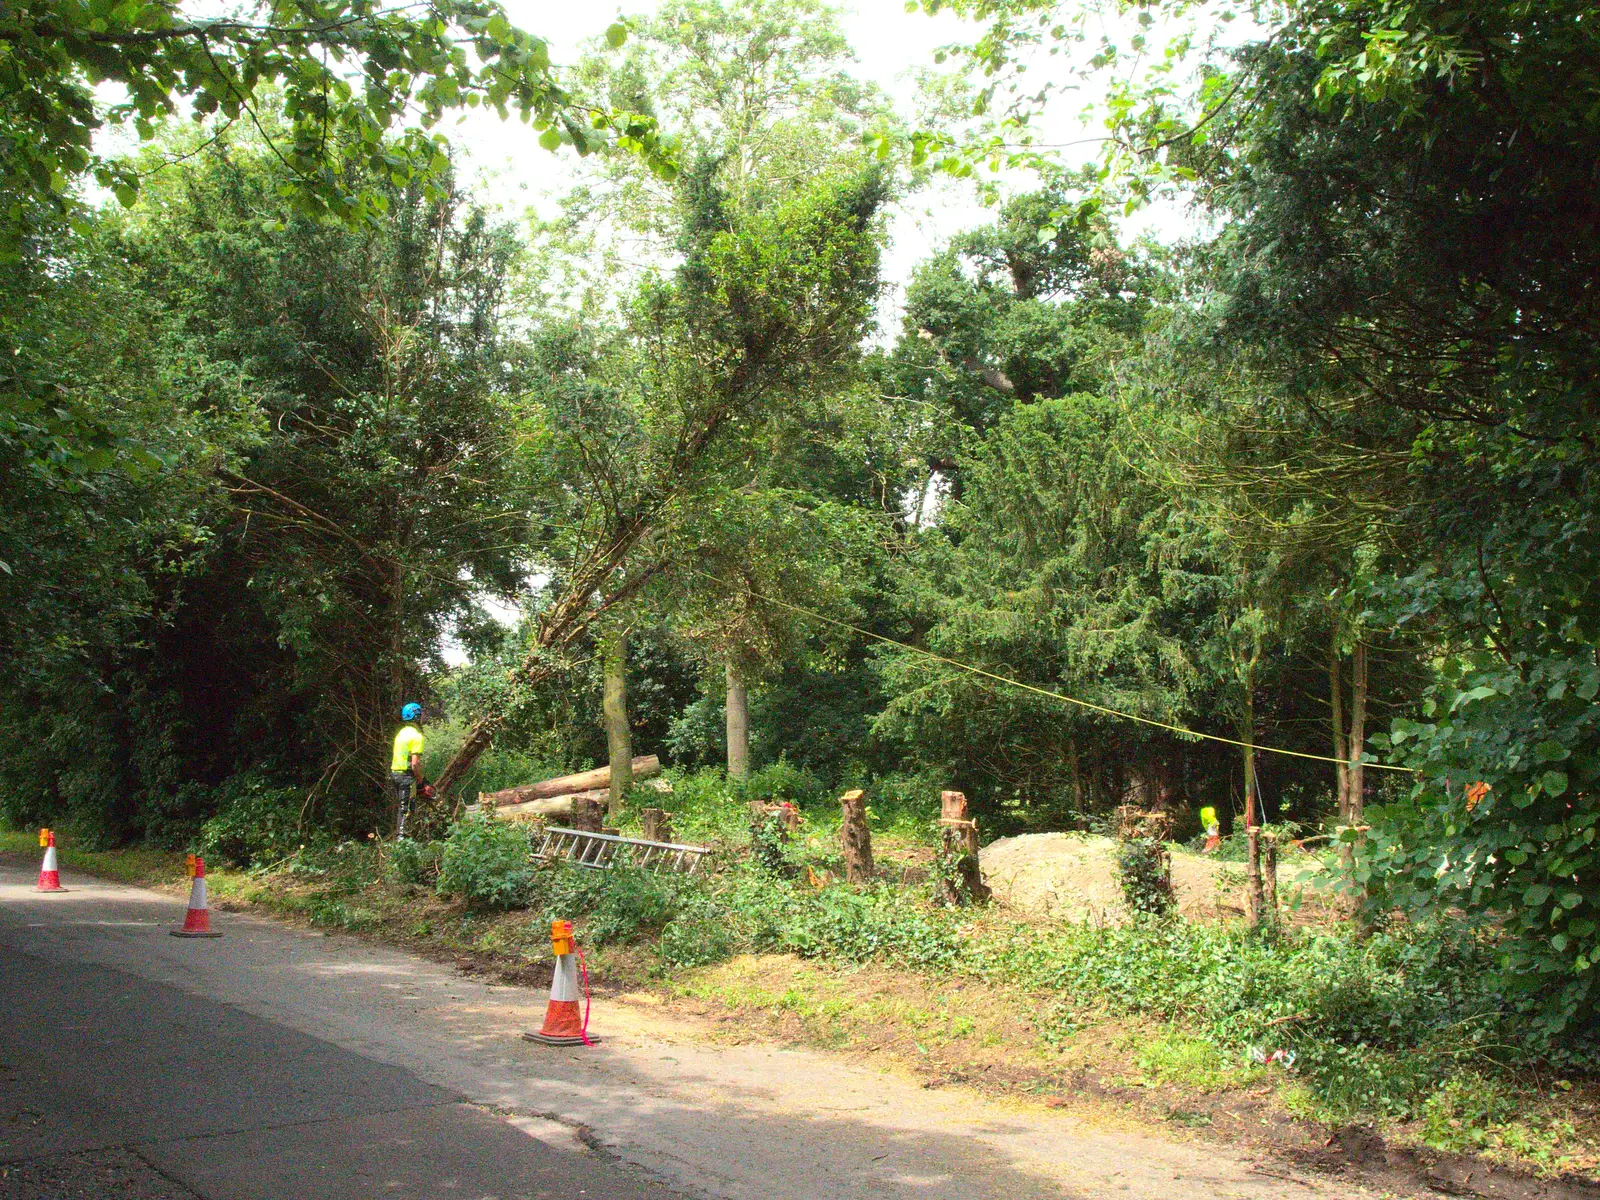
(602, 851)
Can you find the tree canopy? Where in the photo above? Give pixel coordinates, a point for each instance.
(1294, 519)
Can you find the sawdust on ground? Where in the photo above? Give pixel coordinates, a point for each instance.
(1073, 876)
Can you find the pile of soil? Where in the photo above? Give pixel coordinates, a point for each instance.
(1073, 876)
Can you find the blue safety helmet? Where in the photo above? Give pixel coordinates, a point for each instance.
(411, 712)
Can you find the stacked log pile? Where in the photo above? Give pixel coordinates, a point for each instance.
(567, 796)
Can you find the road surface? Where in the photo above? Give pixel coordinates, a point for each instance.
(277, 1063)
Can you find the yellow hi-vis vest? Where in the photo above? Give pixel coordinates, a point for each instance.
(406, 743)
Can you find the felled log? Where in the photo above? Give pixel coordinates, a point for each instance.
(554, 806)
(569, 785)
(559, 807)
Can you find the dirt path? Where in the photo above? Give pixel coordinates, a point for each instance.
(707, 1119)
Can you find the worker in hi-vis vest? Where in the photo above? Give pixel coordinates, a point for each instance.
(1213, 828)
(405, 766)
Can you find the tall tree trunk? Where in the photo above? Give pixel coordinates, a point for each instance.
(738, 726)
(1358, 733)
(614, 707)
(1252, 815)
(1341, 750)
(397, 678)
(1247, 735)
(1255, 890)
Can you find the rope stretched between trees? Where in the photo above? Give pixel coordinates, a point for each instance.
(1062, 696)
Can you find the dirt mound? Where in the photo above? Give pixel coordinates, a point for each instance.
(1073, 876)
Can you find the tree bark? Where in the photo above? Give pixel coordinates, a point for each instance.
(1254, 899)
(1247, 731)
(1358, 733)
(855, 838)
(1269, 877)
(587, 815)
(1341, 750)
(657, 825)
(959, 843)
(614, 707)
(738, 726)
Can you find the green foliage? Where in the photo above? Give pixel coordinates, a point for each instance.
(226, 68)
(781, 782)
(255, 824)
(768, 846)
(414, 863)
(1513, 709)
(1144, 869)
(623, 904)
(487, 864)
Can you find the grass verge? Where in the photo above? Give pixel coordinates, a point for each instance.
(1165, 1020)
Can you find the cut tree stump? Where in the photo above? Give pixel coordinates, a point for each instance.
(587, 815)
(855, 839)
(787, 814)
(657, 825)
(958, 835)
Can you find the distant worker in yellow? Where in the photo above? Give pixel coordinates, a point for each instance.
(1213, 828)
(405, 767)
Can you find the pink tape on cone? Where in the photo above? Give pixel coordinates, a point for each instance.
(563, 1019)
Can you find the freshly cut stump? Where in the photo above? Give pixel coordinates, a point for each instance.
(855, 839)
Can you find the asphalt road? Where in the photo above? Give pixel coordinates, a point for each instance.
(113, 1085)
(277, 1063)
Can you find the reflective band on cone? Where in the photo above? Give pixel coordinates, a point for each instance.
(197, 921)
(563, 1020)
(50, 872)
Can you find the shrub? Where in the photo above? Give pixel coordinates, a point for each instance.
(486, 863)
(623, 904)
(705, 806)
(699, 935)
(769, 846)
(1145, 872)
(414, 862)
(256, 823)
(782, 781)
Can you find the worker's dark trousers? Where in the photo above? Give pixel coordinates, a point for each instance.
(401, 783)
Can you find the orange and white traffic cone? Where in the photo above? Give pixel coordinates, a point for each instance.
(50, 871)
(197, 921)
(563, 1026)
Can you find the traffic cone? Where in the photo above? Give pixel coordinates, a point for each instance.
(563, 1025)
(197, 921)
(49, 872)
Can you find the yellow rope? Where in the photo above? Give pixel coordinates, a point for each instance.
(1028, 687)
